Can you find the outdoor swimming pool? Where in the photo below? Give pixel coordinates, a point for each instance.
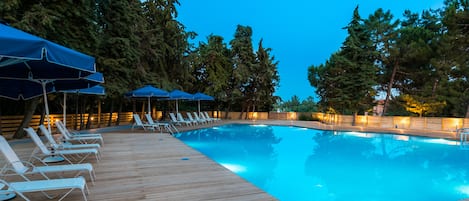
(295, 164)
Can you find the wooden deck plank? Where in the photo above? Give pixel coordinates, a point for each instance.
(148, 166)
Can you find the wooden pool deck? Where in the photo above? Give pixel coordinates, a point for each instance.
(138, 165)
(152, 166)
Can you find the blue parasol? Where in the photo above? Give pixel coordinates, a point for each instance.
(201, 96)
(26, 59)
(179, 95)
(25, 56)
(147, 92)
(90, 89)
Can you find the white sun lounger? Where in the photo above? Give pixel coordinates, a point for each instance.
(57, 146)
(208, 117)
(69, 184)
(189, 115)
(19, 168)
(166, 126)
(77, 133)
(82, 138)
(196, 116)
(81, 154)
(139, 123)
(178, 121)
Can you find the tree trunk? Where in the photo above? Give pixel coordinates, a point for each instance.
(243, 106)
(99, 112)
(246, 116)
(119, 112)
(30, 107)
(41, 120)
(435, 86)
(110, 113)
(227, 110)
(389, 91)
(90, 114)
(82, 112)
(467, 111)
(354, 119)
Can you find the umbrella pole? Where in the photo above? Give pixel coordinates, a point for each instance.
(177, 109)
(46, 105)
(65, 109)
(149, 107)
(198, 104)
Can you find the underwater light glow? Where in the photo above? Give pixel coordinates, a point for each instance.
(234, 167)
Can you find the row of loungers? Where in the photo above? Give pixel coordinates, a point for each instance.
(200, 118)
(73, 148)
(175, 120)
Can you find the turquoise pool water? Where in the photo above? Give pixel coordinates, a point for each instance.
(295, 164)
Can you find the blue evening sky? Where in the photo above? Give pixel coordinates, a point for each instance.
(301, 33)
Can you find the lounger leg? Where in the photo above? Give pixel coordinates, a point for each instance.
(22, 195)
(65, 195)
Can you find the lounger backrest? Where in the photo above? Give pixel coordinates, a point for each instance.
(149, 119)
(63, 130)
(202, 116)
(48, 135)
(205, 115)
(173, 118)
(137, 119)
(11, 156)
(180, 117)
(190, 116)
(37, 140)
(196, 116)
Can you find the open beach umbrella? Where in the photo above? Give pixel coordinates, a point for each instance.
(92, 79)
(200, 97)
(179, 95)
(147, 92)
(95, 90)
(26, 59)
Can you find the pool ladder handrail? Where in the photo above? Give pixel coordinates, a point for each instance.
(463, 138)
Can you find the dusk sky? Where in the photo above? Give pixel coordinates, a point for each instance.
(301, 33)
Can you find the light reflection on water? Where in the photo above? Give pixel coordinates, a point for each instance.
(297, 164)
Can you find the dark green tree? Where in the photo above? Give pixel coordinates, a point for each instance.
(213, 68)
(244, 59)
(383, 33)
(265, 79)
(360, 73)
(325, 78)
(453, 54)
(346, 82)
(118, 52)
(293, 104)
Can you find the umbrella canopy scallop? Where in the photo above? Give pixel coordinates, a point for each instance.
(25, 56)
(202, 97)
(179, 95)
(147, 92)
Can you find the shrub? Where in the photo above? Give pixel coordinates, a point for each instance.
(306, 117)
